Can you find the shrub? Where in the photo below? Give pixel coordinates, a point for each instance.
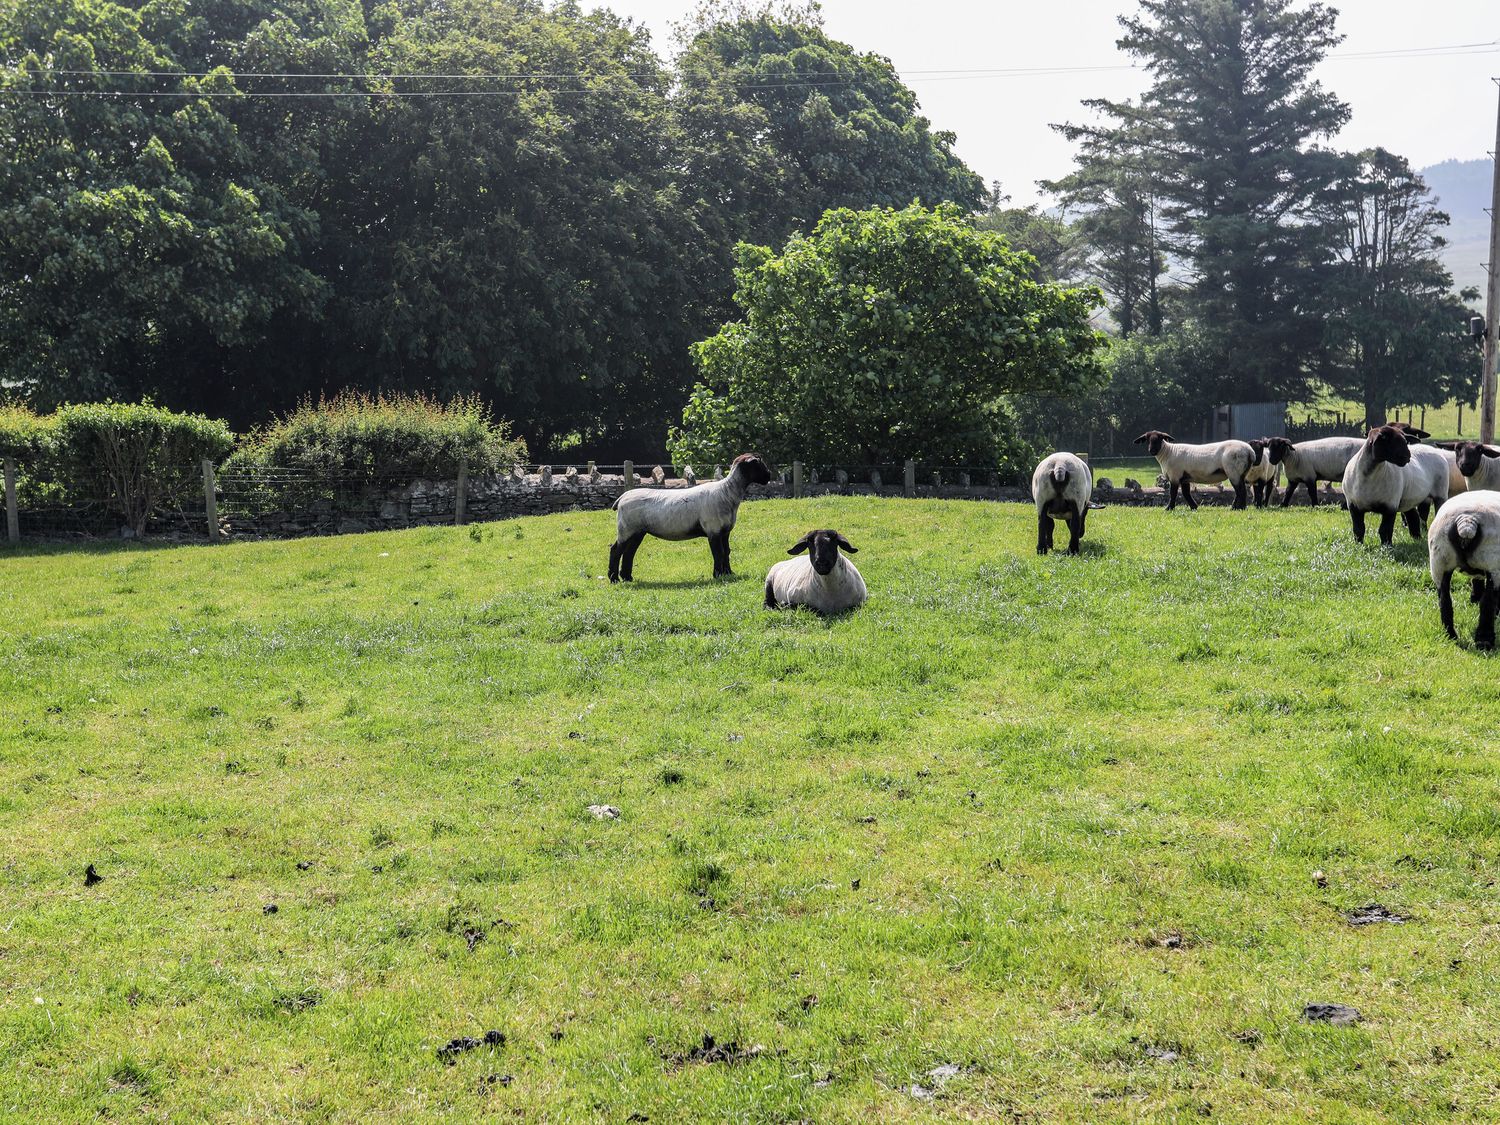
(23, 434)
(133, 456)
(357, 437)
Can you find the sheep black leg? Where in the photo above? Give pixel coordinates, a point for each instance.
(1291, 490)
(1445, 604)
(1476, 591)
(1357, 519)
(1043, 533)
(1239, 497)
(770, 596)
(1187, 494)
(1413, 523)
(1312, 492)
(1171, 495)
(1387, 527)
(614, 561)
(1075, 529)
(719, 545)
(1484, 636)
(627, 556)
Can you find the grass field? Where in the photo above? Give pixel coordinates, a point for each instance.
(1057, 824)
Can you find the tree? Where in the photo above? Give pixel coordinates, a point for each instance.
(1230, 122)
(138, 230)
(782, 123)
(885, 335)
(1113, 194)
(1052, 242)
(1394, 330)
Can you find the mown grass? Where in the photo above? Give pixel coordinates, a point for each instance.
(1055, 821)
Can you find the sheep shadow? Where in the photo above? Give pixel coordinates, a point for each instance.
(686, 583)
(1089, 548)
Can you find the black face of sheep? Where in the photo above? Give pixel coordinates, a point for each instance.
(756, 471)
(1152, 440)
(1277, 448)
(1389, 443)
(1258, 447)
(1469, 454)
(823, 549)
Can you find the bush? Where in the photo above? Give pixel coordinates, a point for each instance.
(134, 457)
(23, 434)
(360, 438)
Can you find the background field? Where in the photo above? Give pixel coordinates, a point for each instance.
(1052, 821)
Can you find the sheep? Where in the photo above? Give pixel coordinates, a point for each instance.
(1263, 475)
(1465, 536)
(1308, 462)
(1392, 475)
(825, 581)
(1478, 464)
(1061, 487)
(1184, 465)
(706, 510)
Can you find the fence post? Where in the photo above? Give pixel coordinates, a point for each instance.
(909, 480)
(461, 494)
(12, 514)
(629, 474)
(796, 480)
(210, 501)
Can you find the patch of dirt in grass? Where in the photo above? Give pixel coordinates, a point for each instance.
(1372, 913)
(712, 1051)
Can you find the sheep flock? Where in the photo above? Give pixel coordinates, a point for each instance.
(1452, 489)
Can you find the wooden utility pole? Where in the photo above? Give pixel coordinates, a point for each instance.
(1492, 307)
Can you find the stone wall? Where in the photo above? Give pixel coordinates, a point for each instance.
(427, 502)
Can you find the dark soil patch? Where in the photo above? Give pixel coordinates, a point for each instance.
(448, 1053)
(1339, 1015)
(90, 876)
(712, 1051)
(1371, 913)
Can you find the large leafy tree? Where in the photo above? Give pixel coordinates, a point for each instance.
(782, 122)
(1394, 328)
(1056, 245)
(139, 238)
(1231, 121)
(885, 335)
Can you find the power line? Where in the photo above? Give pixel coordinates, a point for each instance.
(815, 79)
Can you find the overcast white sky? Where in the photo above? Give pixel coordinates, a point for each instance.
(1426, 109)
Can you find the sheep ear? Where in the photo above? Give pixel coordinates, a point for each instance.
(1412, 438)
(1142, 440)
(845, 545)
(1445, 445)
(801, 545)
(1489, 451)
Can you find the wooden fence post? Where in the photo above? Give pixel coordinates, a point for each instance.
(12, 514)
(796, 480)
(629, 474)
(210, 501)
(909, 480)
(461, 494)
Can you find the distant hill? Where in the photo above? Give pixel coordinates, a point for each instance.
(1463, 190)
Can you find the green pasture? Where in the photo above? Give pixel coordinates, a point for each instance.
(1080, 835)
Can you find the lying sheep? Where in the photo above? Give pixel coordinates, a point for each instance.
(1263, 475)
(825, 581)
(1185, 465)
(1392, 475)
(703, 511)
(1061, 487)
(1308, 462)
(1465, 536)
(1478, 464)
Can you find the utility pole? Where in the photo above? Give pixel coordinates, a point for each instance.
(1492, 306)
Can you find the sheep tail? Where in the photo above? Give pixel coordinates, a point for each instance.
(1466, 532)
(1060, 477)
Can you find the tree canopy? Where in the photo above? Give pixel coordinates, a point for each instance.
(885, 335)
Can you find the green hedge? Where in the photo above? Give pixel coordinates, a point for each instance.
(355, 437)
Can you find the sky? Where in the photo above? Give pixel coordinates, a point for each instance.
(1428, 109)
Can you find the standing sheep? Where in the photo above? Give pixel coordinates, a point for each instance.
(1186, 465)
(1393, 476)
(1479, 464)
(1308, 462)
(825, 582)
(1061, 487)
(1465, 536)
(703, 511)
(1264, 474)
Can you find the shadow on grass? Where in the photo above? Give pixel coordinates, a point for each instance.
(41, 548)
(685, 583)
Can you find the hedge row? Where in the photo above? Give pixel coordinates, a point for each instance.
(134, 459)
